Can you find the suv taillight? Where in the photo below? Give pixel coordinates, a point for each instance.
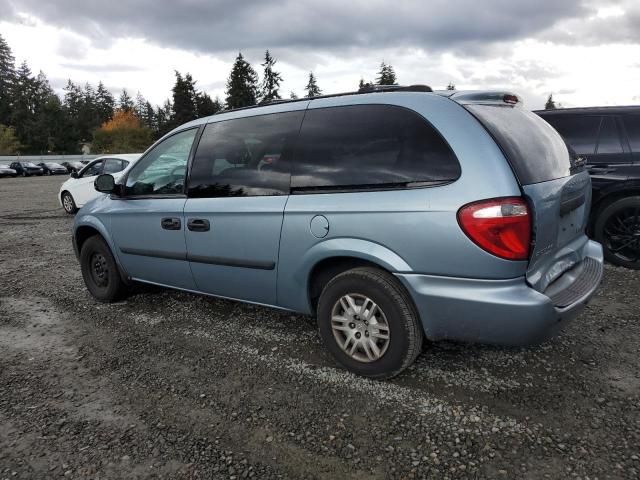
(501, 226)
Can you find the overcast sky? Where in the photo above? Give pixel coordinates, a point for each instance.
(585, 52)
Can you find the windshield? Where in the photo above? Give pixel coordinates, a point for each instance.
(4, 166)
(53, 165)
(29, 164)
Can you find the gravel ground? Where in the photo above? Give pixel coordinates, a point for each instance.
(172, 385)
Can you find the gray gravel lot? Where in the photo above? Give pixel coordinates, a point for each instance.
(172, 385)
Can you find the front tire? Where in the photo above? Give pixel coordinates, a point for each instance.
(368, 323)
(617, 228)
(100, 271)
(68, 203)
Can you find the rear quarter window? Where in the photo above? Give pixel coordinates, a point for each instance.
(535, 151)
(632, 126)
(370, 146)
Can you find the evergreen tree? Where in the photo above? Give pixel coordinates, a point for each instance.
(386, 75)
(104, 103)
(184, 99)
(270, 80)
(163, 118)
(125, 102)
(293, 95)
(364, 85)
(551, 104)
(49, 120)
(451, 86)
(242, 85)
(206, 106)
(149, 117)
(7, 75)
(23, 108)
(140, 106)
(312, 87)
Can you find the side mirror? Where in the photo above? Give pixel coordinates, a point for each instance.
(105, 183)
(74, 174)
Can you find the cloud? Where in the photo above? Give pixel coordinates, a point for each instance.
(220, 26)
(102, 67)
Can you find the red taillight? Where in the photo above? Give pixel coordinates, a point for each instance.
(501, 226)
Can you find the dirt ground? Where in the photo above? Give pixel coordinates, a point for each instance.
(172, 385)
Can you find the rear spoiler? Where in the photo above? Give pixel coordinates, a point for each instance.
(497, 97)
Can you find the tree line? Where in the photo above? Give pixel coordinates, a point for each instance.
(35, 120)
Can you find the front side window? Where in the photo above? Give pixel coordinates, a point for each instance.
(163, 168)
(245, 156)
(93, 169)
(368, 146)
(113, 165)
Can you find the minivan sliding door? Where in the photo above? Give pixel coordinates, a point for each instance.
(237, 190)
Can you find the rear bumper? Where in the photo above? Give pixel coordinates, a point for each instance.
(503, 312)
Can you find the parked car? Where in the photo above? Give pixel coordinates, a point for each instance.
(52, 168)
(72, 166)
(608, 139)
(26, 169)
(6, 171)
(390, 215)
(78, 190)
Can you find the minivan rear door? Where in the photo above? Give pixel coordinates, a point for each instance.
(555, 183)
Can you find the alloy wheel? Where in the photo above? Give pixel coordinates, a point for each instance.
(622, 234)
(360, 327)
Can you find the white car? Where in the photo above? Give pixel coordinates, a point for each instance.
(78, 190)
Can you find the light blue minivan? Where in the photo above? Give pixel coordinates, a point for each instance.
(391, 214)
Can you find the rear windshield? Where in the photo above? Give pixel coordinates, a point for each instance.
(535, 151)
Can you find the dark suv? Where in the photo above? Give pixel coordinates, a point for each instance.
(608, 139)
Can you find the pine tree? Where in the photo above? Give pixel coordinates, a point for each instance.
(242, 85)
(551, 104)
(270, 80)
(49, 119)
(364, 85)
(7, 76)
(149, 117)
(451, 86)
(23, 108)
(184, 99)
(9, 144)
(125, 102)
(163, 118)
(105, 103)
(312, 87)
(386, 75)
(140, 106)
(293, 95)
(206, 106)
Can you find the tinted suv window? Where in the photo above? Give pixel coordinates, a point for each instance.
(579, 131)
(368, 146)
(632, 125)
(245, 157)
(609, 140)
(533, 148)
(162, 170)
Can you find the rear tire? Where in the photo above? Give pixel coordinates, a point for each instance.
(617, 228)
(366, 306)
(100, 271)
(68, 203)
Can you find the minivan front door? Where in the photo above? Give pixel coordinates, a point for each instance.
(238, 188)
(148, 221)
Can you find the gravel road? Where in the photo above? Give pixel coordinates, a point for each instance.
(173, 385)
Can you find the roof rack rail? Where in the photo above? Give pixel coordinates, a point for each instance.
(369, 88)
(365, 89)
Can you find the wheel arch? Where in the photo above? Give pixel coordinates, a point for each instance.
(609, 196)
(89, 226)
(332, 257)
